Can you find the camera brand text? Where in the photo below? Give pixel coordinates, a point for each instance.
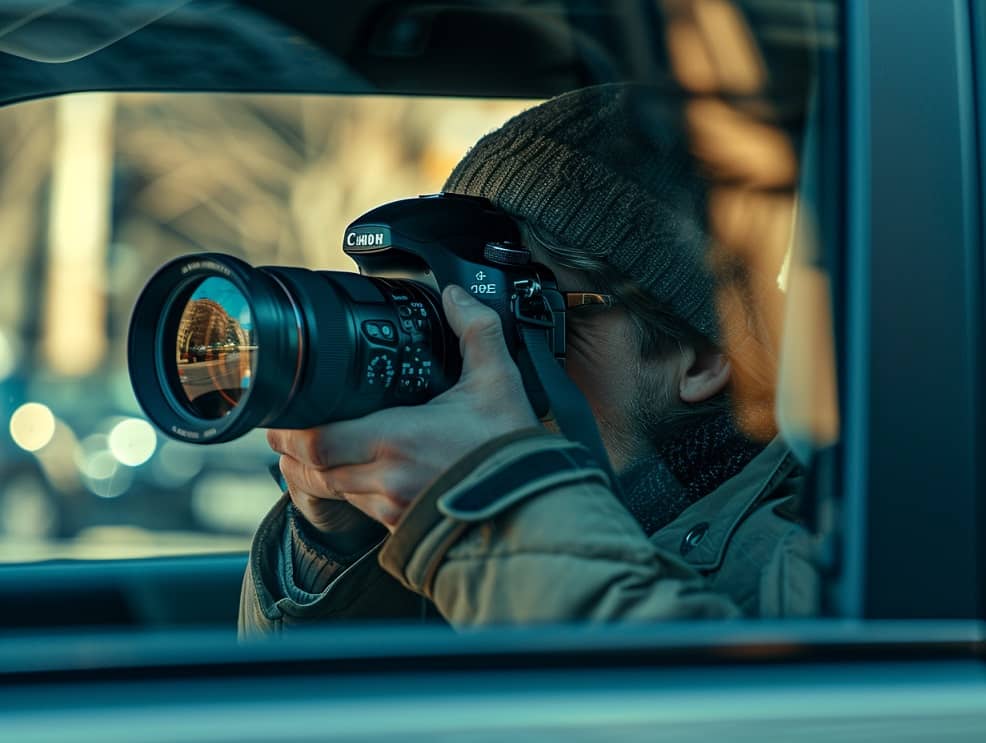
(365, 239)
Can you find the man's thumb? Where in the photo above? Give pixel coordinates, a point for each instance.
(478, 328)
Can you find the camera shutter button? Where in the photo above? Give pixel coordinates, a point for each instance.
(506, 253)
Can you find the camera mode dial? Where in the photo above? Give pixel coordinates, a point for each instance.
(380, 370)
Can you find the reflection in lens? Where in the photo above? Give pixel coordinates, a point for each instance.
(215, 348)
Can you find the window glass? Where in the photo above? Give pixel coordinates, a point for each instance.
(96, 192)
(663, 192)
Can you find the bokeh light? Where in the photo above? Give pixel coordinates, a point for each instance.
(32, 426)
(88, 459)
(100, 470)
(132, 441)
(177, 463)
(57, 458)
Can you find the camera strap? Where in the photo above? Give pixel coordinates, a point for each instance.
(566, 402)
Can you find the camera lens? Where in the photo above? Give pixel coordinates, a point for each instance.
(218, 347)
(215, 350)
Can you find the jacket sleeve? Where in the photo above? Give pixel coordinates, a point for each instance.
(527, 530)
(275, 597)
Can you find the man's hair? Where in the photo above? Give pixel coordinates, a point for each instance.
(660, 333)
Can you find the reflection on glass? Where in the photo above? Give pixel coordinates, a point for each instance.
(215, 348)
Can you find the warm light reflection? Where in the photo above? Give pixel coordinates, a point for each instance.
(755, 225)
(132, 441)
(808, 405)
(74, 340)
(737, 59)
(739, 148)
(32, 426)
(690, 58)
(807, 398)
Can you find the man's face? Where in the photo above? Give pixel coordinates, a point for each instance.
(624, 390)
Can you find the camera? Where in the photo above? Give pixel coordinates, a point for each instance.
(218, 347)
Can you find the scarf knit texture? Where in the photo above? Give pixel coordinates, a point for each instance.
(684, 469)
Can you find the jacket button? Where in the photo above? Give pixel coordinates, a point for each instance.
(694, 536)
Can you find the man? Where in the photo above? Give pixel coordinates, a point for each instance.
(469, 507)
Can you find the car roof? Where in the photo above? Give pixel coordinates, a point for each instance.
(483, 48)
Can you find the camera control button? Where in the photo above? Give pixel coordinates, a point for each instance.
(381, 331)
(380, 371)
(412, 384)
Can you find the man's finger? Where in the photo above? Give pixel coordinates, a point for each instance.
(395, 483)
(478, 327)
(346, 442)
(308, 480)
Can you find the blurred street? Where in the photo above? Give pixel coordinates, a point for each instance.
(99, 190)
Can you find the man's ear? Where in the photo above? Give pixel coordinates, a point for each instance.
(707, 374)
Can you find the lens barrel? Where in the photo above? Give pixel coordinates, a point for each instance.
(218, 347)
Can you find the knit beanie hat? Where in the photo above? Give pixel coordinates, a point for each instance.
(606, 171)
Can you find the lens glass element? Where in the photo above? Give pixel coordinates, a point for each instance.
(216, 351)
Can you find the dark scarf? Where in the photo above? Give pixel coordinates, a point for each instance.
(684, 469)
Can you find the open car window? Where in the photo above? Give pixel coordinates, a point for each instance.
(102, 189)
(110, 176)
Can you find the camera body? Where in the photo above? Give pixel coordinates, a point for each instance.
(443, 239)
(218, 347)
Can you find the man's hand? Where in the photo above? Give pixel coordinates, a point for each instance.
(380, 462)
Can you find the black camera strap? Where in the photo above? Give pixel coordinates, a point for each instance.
(566, 402)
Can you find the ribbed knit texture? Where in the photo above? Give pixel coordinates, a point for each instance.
(684, 469)
(309, 565)
(606, 171)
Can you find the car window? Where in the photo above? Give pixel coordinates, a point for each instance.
(661, 218)
(101, 189)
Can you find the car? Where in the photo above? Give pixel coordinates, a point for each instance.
(135, 132)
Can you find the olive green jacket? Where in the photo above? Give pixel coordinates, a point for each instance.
(526, 529)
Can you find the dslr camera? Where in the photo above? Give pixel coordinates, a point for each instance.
(218, 347)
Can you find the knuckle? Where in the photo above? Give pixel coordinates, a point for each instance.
(389, 516)
(312, 447)
(399, 490)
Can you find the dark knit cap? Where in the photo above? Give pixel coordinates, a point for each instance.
(606, 171)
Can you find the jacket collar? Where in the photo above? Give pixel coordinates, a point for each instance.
(702, 532)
